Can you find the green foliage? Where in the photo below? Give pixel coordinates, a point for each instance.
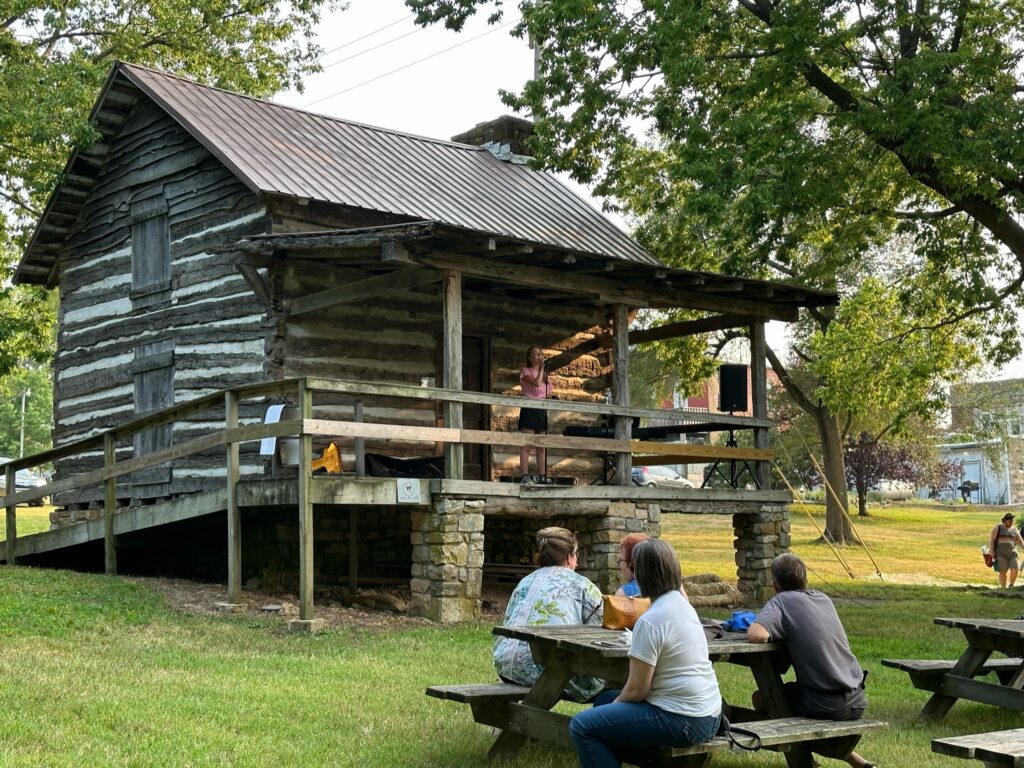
(657, 370)
(793, 137)
(38, 411)
(883, 364)
(54, 57)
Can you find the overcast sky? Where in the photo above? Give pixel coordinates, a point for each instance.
(381, 69)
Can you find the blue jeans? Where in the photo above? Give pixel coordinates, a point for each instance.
(602, 733)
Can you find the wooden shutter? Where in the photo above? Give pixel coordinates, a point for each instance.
(153, 375)
(151, 253)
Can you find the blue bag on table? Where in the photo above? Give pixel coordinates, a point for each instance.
(740, 621)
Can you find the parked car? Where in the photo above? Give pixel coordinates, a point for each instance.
(664, 476)
(24, 480)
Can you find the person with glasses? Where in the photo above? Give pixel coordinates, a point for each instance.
(553, 594)
(629, 586)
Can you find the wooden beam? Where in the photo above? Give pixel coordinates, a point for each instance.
(659, 333)
(612, 291)
(453, 453)
(371, 287)
(620, 391)
(234, 514)
(759, 395)
(10, 489)
(688, 328)
(256, 283)
(305, 469)
(109, 506)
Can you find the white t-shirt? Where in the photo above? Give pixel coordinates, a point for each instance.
(670, 638)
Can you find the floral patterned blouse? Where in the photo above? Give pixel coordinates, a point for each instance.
(553, 595)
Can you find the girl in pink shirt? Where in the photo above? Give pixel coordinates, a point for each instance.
(533, 380)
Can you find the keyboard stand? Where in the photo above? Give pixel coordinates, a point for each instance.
(735, 474)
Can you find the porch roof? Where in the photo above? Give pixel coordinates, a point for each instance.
(517, 263)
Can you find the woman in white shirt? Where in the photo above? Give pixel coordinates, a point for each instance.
(671, 696)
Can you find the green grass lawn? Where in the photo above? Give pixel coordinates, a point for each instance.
(30, 520)
(99, 672)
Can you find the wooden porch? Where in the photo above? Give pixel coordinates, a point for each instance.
(352, 490)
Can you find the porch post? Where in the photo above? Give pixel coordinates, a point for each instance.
(109, 506)
(620, 392)
(453, 453)
(12, 512)
(305, 408)
(759, 396)
(234, 514)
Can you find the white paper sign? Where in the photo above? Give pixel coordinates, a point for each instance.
(408, 490)
(273, 416)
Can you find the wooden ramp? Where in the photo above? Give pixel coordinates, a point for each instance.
(127, 520)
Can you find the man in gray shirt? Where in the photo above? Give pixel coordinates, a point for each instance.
(829, 680)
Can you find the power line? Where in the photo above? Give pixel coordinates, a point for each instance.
(410, 64)
(373, 48)
(368, 34)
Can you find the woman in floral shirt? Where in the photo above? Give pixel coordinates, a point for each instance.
(553, 594)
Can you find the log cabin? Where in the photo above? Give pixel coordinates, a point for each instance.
(239, 274)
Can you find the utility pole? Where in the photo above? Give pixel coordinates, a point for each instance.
(21, 448)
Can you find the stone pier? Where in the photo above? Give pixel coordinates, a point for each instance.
(760, 536)
(447, 560)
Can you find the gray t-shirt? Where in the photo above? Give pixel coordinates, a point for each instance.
(808, 623)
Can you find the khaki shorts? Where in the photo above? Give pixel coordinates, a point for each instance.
(1006, 556)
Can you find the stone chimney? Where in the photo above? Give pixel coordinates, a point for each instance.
(505, 137)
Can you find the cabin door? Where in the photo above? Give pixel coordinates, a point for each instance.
(153, 375)
(476, 377)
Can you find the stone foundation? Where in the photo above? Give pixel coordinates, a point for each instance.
(449, 545)
(447, 560)
(761, 535)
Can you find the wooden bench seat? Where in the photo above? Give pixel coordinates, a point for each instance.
(479, 692)
(927, 674)
(498, 705)
(998, 748)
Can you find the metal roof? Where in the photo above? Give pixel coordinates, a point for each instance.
(280, 150)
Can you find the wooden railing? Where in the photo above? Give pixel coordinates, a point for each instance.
(305, 427)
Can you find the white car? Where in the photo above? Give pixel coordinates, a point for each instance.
(24, 480)
(664, 476)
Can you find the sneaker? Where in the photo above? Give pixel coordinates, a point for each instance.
(527, 480)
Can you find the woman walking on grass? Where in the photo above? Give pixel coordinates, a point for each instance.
(1003, 543)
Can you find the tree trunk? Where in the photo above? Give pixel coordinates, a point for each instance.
(837, 523)
(860, 476)
(862, 495)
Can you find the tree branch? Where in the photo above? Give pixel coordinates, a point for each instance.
(928, 215)
(791, 386)
(20, 204)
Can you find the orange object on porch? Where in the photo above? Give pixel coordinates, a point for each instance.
(330, 459)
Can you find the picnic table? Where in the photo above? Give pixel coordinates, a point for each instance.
(953, 680)
(523, 713)
(998, 748)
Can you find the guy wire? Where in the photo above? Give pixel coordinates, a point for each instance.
(824, 536)
(856, 533)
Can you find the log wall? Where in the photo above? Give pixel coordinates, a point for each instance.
(398, 339)
(211, 318)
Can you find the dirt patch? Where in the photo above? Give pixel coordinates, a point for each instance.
(202, 599)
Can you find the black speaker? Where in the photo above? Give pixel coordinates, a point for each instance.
(732, 388)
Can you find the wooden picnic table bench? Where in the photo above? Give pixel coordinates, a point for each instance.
(927, 674)
(950, 681)
(999, 748)
(522, 713)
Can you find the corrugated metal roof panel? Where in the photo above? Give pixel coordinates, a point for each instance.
(285, 151)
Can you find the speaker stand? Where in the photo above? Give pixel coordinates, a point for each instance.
(736, 468)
